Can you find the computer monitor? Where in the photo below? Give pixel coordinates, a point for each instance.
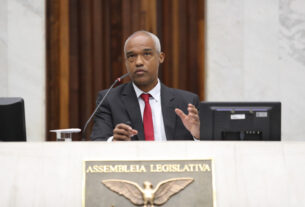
(12, 119)
(240, 121)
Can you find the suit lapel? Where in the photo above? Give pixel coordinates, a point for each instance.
(130, 100)
(168, 111)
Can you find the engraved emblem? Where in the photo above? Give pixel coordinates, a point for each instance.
(147, 196)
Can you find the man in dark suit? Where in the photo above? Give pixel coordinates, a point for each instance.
(145, 109)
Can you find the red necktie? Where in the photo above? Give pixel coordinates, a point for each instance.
(147, 119)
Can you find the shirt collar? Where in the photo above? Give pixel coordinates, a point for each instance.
(155, 92)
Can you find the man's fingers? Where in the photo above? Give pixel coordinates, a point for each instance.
(191, 120)
(192, 109)
(194, 117)
(127, 128)
(123, 126)
(134, 132)
(123, 132)
(180, 113)
(120, 134)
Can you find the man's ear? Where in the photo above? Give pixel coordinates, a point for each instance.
(161, 57)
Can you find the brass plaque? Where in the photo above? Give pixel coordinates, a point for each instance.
(167, 183)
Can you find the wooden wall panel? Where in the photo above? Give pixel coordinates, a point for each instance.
(57, 65)
(201, 49)
(85, 41)
(164, 14)
(75, 86)
(64, 63)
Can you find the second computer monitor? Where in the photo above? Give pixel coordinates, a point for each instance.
(240, 121)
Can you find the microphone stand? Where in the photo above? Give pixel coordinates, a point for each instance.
(98, 106)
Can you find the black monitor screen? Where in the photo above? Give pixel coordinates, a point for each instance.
(240, 121)
(12, 119)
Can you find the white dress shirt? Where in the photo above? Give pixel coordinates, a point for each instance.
(156, 110)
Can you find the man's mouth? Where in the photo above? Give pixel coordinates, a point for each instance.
(140, 72)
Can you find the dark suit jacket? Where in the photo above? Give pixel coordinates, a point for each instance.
(122, 106)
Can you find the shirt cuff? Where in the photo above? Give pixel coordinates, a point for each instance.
(110, 139)
(196, 139)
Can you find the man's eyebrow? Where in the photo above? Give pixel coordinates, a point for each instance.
(144, 50)
(147, 49)
(129, 53)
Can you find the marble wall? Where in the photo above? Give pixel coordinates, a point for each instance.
(256, 52)
(3, 48)
(22, 59)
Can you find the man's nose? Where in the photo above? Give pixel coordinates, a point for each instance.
(139, 60)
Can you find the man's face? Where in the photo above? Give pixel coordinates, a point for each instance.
(142, 61)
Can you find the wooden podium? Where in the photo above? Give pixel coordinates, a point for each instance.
(247, 174)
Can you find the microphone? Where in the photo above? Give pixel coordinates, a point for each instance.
(98, 106)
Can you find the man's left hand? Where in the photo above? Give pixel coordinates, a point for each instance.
(191, 120)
